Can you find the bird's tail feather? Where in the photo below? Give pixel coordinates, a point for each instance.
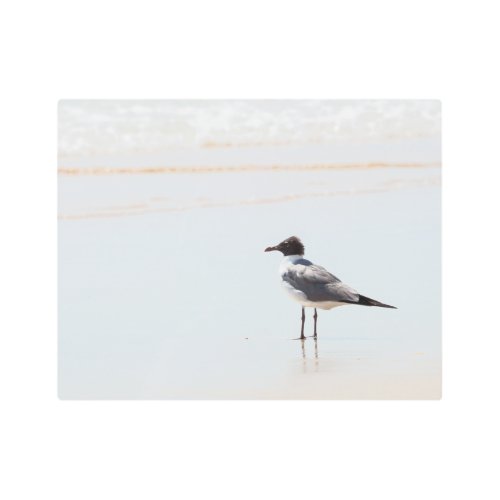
(366, 301)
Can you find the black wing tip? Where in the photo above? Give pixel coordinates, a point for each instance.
(366, 301)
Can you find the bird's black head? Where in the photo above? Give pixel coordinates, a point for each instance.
(291, 246)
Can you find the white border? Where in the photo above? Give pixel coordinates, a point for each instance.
(181, 450)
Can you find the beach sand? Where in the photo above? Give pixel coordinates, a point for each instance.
(165, 290)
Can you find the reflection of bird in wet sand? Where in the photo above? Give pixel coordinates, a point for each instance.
(304, 356)
(312, 285)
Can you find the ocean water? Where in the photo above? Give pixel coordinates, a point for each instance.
(94, 127)
(165, 208)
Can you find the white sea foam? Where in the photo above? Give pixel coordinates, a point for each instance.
(155, 128)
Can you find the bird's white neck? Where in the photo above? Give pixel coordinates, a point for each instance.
(292, 259)
(288, 261)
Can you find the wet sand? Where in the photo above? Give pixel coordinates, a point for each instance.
(165, 291)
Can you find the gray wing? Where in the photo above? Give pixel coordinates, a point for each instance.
(318, 284)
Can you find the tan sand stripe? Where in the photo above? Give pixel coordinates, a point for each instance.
(237, 169)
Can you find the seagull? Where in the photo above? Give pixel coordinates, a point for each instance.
(312, 285)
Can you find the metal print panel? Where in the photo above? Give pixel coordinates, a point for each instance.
(166, 209)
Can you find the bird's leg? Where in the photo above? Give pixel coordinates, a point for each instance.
(302, 336)
(315, 320)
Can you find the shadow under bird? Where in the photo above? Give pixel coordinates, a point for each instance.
(312, 285)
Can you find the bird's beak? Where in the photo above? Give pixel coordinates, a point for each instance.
(270, 249)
